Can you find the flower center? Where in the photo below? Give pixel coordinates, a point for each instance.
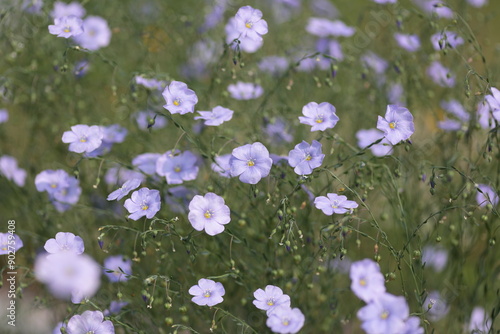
(177, 102)
(249, 25)
(4, 248)
(362, 282)
(392, 125)
(384, 315)
(208, 214)
(250, 163)
(177, 169)
(207, 293)
(144, 207)
(319, 119)
(285, 322)
(53, 185)
(308, 157)
(67, 29)
(83, 139)
(270, 301)
(90, 332)
(335, 204)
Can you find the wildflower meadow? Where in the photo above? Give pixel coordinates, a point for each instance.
(239, 167)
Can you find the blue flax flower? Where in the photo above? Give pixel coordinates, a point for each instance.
(367, 282)
(143, 202)
(65, 242)
(66, 26)
(285, 320)
(123, 191)
(90, 322)
(119, 266)
(83, 138)
(207, 292)
(250, 162)
(177, 167)
(209, 213)
(320, 116)
(397, 124)
(249, 23)
(270, 298)
(334, 203)
(180, 99)
(304, 157)
(385, 314)
(9, 239)
(216, 117)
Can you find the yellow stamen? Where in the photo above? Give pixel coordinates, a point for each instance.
(384, 315)
(249, 25)
(83, 140)
(207, 214)
(286, 322)
(319, 120)
(53, 185)
(308, 157)
(4, 248)
(67, 30)
(144, 207)
(177, 169)
(250, 163)
(177, 102)
(270, 302)
(207, 294)
(392, 125)
(362, 282)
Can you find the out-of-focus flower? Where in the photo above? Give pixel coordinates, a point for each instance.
(10, 170)
(334, 203)
(177, 167)
(486, 195)
(146, 162)
(397, 124)
(178, 199)
(180, 99)
(277, 131)
(234, 39)
(385, 1)
(83, 138)
(436, 7)
(150, 83)
(96, 33)
(366, 137)
(209, 213)
(63, 190)
(250, 162)
(114, 307)
(245, 90)
(367, 282)
(408, 42)
(207, 292)
(285, 320)
(440, 74)
(320, 116)
(123, 191)
(273, 65)
(479, 320)
(437, 306)
(65, 242)
(118, 175)
(63, 9)
(450, 39)
(9, 242)
(143, 202)
(385, 314)
(434, 257)
(270, 298)
(32, 6)
(322, 27)
(375, 62)
(149, 119)
(120, 267)
(304, 157)
(477, 3)
(66, 26)
(216, 117)
(4, 116)
(90, 322)
(412, 326)
(494, 102)
(81, 68)
(222, 166)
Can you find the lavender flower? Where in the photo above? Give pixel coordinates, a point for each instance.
(143, 202)
(83, 138)
(375, 62)
(68, 275)
(216, 117)
(320, 117)
(410, 43)
(435, 7)
(207, 292)
(149, 119)
(477, 3)
(412, 326)
(385, 314)
(4, 116)
(115, 307)
(435, 257)
(397, 124)
(369, 136)
(250, 162)
(270, 298)
(180, 99)
(436, 305)
(222, 166)
(150, 83)
(273, 65)
(285, 320)
(119, 266)
(63, 190)
(494, 102)
(209, 213)
(10, 170)
(334, 203)
(118, 175)
(385, 1)
(9, 242)
(66, 26)
(32, 6)
(249, 23)
(304, 157)
(62, 9)
(245, 91)
(367, 282)
(322, 27)
(446, 39)
(65, 242)
(90, 322)
(234, 39)
(277, 131)
(177, 167)
(486, 195)
(178, 199)
(96, 33)
(324, 8)
(123, 191)
(59, 326)
(146, 162)
(479, 320)
(440, 75)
